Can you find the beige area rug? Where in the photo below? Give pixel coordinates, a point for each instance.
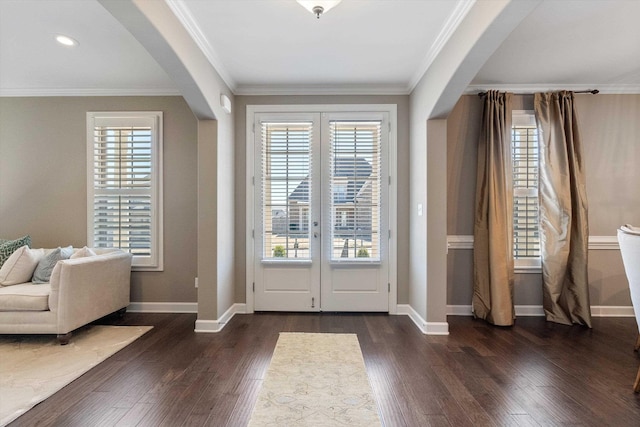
(33, 367)
(316, 380)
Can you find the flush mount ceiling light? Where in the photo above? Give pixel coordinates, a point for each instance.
(318, 7)
(66, 40)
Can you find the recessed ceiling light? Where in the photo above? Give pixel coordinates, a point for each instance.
(66, 40)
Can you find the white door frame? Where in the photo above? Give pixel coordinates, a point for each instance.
(250, 180)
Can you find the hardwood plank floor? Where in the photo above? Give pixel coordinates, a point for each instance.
(533, 374)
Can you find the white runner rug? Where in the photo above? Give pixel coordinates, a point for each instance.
(33, 367)
(316, 380)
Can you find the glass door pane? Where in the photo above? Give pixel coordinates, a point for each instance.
(355, 187)
(286, 190)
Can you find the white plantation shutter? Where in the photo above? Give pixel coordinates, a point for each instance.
(124, 179)
(524, 146)
(286, 189)
(355, 190)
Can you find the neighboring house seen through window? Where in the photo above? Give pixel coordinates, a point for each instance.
(124, 184)
(355, 159)
(525, 161)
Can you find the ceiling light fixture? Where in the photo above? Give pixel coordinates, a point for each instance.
(66, 40)
(318, 7)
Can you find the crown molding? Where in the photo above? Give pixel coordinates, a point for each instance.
(321, 90)
(458, 14)
(181, 11)
(34, 92)
(622, 89)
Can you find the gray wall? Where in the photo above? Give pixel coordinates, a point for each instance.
(43, 181)
(610, 130)
(402, 102)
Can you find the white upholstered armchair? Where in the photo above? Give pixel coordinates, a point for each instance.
(629, 239)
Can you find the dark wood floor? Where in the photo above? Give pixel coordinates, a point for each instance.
(535, 373)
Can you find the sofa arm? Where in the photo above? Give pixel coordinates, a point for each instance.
(86, 289)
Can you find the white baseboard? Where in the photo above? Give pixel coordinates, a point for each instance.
(612, 311)
(428, 328)
(188, 307)
(163, 307)
(536, 310)
(521, 310)
(212, 326)
(459, 310)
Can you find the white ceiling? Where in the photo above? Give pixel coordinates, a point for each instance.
(572, 44)
(276, 46)
(262, 46)
(107, 61)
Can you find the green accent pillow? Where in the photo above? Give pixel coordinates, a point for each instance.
(10, 246)
(42, 274)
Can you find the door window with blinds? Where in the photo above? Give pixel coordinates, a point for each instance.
(286, 189)
(124, 184)
(525, 161)
(355, 190)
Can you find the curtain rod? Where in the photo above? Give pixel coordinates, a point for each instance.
(591, 91)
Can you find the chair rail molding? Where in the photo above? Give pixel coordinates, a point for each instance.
(465, 241)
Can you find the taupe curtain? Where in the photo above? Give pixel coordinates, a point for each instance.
(493, 228)
(564, 229)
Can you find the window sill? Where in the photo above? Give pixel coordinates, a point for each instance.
(146, 268)
(354, 263)
(528, 270)
(286, 262)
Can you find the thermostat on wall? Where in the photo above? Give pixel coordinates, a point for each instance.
(225, 103)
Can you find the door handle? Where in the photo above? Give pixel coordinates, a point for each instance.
(315, 223)
(315, 235)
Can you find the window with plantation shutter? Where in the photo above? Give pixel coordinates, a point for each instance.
(355, 190)
(286, 189)
(124, 156)
(525, 161)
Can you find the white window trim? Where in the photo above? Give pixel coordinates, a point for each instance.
(156, 261)
(251, 128)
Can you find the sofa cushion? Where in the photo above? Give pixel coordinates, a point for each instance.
(42, 273)
(10, 246)
(25, 297)
(83, 253)
(19, 267)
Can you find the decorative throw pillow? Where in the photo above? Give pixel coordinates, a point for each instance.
(19, 267)
(83, 253)
(10, 246)
(42, 274)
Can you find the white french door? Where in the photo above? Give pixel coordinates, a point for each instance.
(287, 215)
(321, 211)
